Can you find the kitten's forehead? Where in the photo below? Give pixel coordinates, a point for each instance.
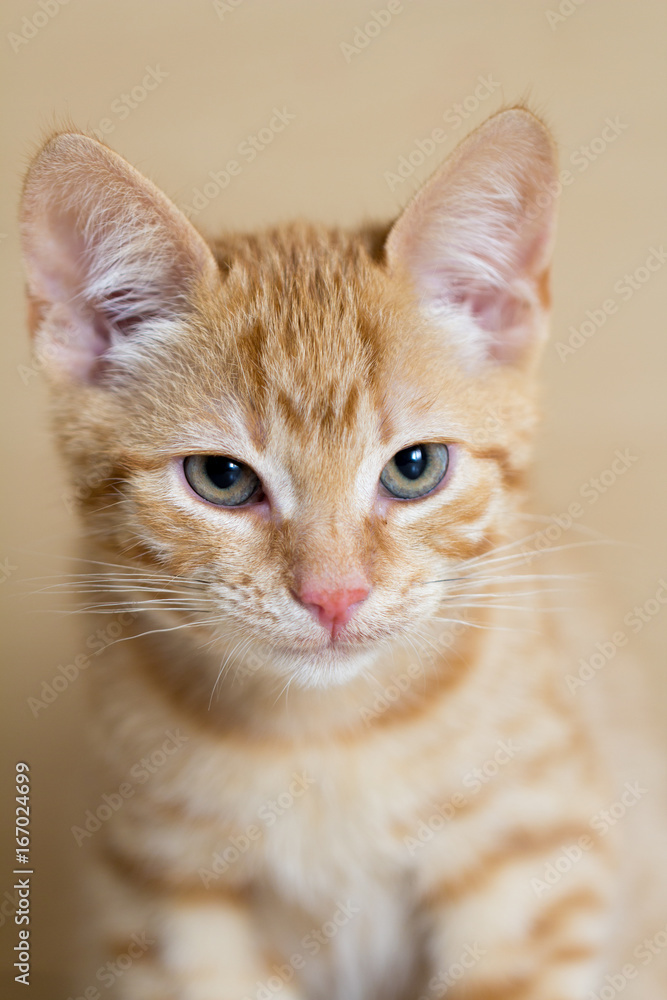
(311, 338)
(311, 354)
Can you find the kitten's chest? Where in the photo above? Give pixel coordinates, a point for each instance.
(311, 818)
(321, 837)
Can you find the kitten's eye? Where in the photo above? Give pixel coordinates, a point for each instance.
(415, 471)
(220, 480)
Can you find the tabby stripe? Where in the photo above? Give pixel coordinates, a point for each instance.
(486, 868)
(552, 917)
(512, 477)
(137, 871)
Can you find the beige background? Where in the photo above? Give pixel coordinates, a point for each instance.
(226, 70)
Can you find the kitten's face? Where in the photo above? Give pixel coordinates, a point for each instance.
(317, 418)
(375, 437)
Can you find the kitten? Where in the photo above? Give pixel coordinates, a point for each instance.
(344, 760)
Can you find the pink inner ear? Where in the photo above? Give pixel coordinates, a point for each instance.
(500, 314)
(61, 271)
(494, 309)
(495, 292)
(56, 257)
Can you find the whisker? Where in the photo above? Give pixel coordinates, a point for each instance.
(596, 535)
(458, 621)
(114, 609)
(527, 556)
(510, 607)
(512, 593)
(90, 588)
(496, 628)
(477, 578)
(224, 664)
(172, 628)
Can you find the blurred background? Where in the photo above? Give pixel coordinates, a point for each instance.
(329, 111)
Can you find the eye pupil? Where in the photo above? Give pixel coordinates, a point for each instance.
(223, 472)
(411, 462)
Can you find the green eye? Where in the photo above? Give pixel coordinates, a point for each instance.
(415, 471)
(220, 480)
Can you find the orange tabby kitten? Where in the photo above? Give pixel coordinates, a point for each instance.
(339, 758)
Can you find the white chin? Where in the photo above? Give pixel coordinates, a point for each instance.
(329, 667)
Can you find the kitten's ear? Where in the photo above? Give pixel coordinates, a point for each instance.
(111, 262)
(477, 237)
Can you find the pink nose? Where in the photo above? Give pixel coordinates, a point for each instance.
(333, 607)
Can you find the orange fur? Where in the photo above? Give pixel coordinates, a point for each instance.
(428, 764)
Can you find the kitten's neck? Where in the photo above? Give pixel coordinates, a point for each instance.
(251, 702)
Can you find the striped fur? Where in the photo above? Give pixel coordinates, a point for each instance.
(350, 820)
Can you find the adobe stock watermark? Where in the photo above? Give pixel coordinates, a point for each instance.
(9, 904)
(66, 674)
(7, 569)
(601, 823)
(364, 34)
(580, 159)
(138, 774)
(473, 781)
(565, 9)
(401, 683)
(32, 24)
(311, 943)
(440, 984)
(268, 814)
(86, 484)
(590, 491)
(624, 290)
(109, 973)
(252, 661)
(247, 151)
(224, 7)
(45, 354)
(645, 953)
(122, 106)
(492, 421)
(454, 116)
(606, 649)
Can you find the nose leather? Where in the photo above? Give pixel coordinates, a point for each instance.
(332, 607)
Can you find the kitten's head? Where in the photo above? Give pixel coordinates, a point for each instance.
(296, 433)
